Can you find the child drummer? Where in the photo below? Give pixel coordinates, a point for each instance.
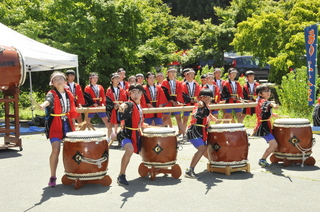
(190, 91)
(97, 94)
(215, 91)
(232, 93)
(197, 131)
(115, 95)
(263, 125)
(76, 90)
(131, 115)
(249, 93)
(60, 108)
(156, 97)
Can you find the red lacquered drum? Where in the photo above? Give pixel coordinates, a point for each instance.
(85, 155)
(159, 147)
(294, 136)
(228, 145)
(12, 68)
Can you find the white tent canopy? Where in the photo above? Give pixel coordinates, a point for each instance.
(37, 56)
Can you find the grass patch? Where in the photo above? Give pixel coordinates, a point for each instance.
(26, 114)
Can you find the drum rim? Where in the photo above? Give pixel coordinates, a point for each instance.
(95, 134)
(162, 135)
(283, 121)
(153, 130)
(226, 126)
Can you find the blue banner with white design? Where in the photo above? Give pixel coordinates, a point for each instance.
(311, 39)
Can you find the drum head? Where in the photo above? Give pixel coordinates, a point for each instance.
(292, 121)
(85, 134)
(159, 130)
(227, 127)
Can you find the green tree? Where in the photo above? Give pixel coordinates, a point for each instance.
(197, 10)
(276, 34)
(107, 35)
(29, 18)
(213, 41)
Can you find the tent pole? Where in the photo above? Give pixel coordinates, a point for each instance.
(31, 95)
(78, 75)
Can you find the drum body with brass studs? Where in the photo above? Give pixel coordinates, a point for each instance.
(292, 134)
(159, 147)
(12, 69)
(85, 155)
(227, 145)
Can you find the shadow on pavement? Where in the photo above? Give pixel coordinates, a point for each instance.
(9, 153)
(212, 178)
(60, 190)
(135, 186)
(277, 169)
(162, 180)
(209, 179)
(297, 167)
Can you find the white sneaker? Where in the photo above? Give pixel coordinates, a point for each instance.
(185, 138)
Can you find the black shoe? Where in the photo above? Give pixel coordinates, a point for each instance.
(122, 180)
(190, 174)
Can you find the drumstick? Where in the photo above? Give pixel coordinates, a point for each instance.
(224, 119)
(112, 140)
(34, 102)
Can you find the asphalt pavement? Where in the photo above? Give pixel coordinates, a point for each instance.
(25, 174)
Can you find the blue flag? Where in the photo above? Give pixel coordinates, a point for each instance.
(311, 39)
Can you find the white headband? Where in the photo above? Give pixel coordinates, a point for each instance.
(56, 75)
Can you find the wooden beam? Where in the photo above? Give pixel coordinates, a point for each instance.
(171, 109)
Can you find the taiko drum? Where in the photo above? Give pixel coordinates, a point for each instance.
(227, 145)
(12, 68)
(290, 134)
(159, 147)
(85, 155)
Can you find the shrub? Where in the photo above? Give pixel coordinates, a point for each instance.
(293, 94)
(24, 99)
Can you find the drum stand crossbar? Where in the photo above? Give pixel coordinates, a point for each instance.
(175, 171)
(227, 169)
(298, 158)
(287, 160)
(78, 183)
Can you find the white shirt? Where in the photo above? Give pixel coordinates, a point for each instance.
(211, 87)
(122, 84)
(191, 85)
(115, 90)
(140, 112)
(71, 87)
(218, 83)
(251, 87)
(64, 98)
(233, 83)
(152, 89)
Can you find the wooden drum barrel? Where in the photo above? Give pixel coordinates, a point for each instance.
(12, 69)
(85, 155)
(227, 145)
(159, 147)
(293, 135)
